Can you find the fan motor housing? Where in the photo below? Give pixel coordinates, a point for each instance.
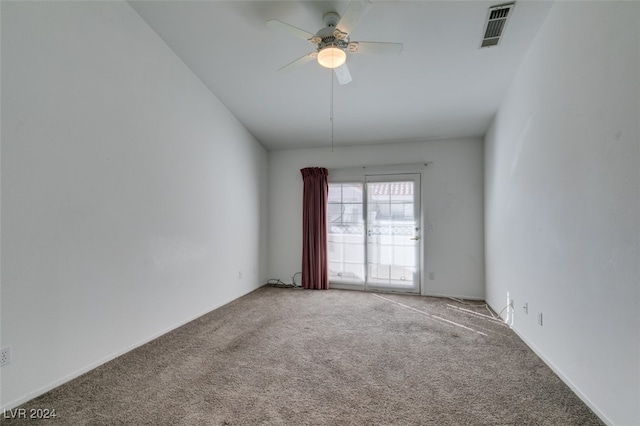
(329, 35)
(331, 19)
(325, 37)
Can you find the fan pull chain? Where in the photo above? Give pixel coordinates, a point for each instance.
(331, 109)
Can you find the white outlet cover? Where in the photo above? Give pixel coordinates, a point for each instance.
(5, 356)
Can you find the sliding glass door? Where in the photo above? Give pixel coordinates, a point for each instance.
(374, 232)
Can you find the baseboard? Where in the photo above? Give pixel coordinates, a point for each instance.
(564, 378)
(28, 397)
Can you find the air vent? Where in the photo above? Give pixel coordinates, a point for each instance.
(496, 21)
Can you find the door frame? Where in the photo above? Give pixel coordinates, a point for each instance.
(417, 201)
(358, 174)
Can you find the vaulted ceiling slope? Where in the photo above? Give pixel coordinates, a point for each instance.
(442, 85)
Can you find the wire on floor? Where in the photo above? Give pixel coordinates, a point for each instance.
(293, 279)
(276, 282)
(506, 307)
(463, 302)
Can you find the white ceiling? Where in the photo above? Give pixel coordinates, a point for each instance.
(441, 86)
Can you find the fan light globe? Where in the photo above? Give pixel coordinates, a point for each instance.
(331, 57)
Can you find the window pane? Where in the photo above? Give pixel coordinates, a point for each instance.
(346, 233)
(352, 193)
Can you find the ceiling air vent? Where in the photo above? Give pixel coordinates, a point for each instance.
(496, 21)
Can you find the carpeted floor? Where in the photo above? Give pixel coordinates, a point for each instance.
(298, 357)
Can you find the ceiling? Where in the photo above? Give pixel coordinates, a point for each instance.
(441, 86)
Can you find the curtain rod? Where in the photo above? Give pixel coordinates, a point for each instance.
(379, 169)
(400, 165)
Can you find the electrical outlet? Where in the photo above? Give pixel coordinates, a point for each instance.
(432, 275)
(540, 318)
(239, 274)
(526, 308)
(5, 356)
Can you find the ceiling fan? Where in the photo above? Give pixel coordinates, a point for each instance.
(333, 41)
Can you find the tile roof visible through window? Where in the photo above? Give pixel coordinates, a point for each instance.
(391, 188)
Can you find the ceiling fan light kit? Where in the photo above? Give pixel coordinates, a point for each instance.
(332, 42)
(332, 57)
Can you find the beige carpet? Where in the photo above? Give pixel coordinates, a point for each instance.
(301, 357)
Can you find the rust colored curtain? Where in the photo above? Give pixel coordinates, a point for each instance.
(315, 270)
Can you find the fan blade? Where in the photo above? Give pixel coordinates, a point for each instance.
(300, 61)
(355, 11)
(285, 28)
(374, 47)
(342, 74)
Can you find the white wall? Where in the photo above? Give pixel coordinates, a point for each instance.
(452, 197)
(562, 202)
(131, 197)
